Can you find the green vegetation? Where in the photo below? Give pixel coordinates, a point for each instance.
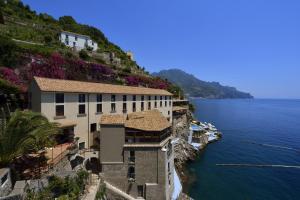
(8, 52)
(83, 54)
(101, 191)
(68, 188)
(24, 24)
(25, 132)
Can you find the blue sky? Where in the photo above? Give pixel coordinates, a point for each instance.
(253, 45)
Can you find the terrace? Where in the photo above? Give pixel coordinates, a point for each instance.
(139, 136)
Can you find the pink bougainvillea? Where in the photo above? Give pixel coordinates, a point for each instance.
(9, 75)
(146, 82)
(50, 68)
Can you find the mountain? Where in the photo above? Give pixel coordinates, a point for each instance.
(194, 87)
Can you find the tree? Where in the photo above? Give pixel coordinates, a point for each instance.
(8, 52)
(25, 132)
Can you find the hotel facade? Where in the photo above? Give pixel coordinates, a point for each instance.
(78, 106)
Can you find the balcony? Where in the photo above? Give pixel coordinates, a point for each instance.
(146, 137)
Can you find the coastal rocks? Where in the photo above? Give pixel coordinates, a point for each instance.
(183, 152)
(184, 196)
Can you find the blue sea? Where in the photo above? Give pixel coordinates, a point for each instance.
(245, 124)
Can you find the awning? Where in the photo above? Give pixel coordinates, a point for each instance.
(64, 123)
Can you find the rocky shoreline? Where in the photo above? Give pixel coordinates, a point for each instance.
(184, 150)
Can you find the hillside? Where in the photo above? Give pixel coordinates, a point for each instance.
(29, 46)
(197, 88)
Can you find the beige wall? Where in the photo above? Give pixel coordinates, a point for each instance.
(34, 97)
(44, 102)
(112, 139)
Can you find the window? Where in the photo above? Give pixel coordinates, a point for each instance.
(124, 107)
(59, 98)
(168, 112)
(142, 98)
(81, 98)
(170, 103)
(67, 37)
(81, 106)
(59, 107)
(99, 108)
(134, 98)
(74, 44)
(149, 105)
(124, 98)
(155, 103)
(132, 156)
(142, 106)
(81, 145)
(113, 107)
(81, 109)
(99, 98)
(93, 127)
(160, 102)
(67, 42)
(140, 189)
(76, 38)
(113, 98)
(131, 172)
(99, 103)
(92, 43)
(149, 98)
(113, 104)
(59, 110)
(133, 107)
(166, 103)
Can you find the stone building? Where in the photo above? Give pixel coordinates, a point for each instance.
(136, 154)
(78, 106)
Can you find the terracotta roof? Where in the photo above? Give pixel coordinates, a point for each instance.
(151, 120)
(113, 119)
(178, 108)
(60, 85)
(62, 123)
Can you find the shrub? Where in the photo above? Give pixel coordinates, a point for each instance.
(48, 39)
(127, 70)
(8, 52)
(83, 54)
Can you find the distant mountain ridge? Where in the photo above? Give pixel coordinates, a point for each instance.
(194, 87)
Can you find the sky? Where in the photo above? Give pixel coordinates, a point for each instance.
(253, 45)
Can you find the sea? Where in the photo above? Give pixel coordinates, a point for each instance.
(255, 131)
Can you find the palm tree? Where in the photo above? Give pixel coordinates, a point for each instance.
(25, 132)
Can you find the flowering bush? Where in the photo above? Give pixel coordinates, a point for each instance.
(146, 82)
(9, 75)
(52, 67)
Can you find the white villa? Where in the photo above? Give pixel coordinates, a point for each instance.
(77, 41)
